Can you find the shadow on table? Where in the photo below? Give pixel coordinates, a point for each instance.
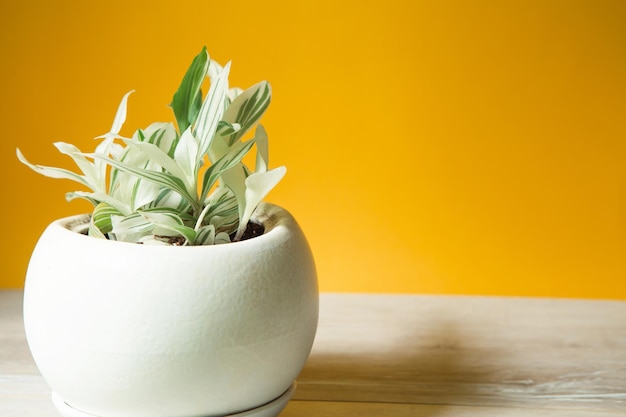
(430, 364)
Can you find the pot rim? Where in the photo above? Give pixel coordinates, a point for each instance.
(273, 218)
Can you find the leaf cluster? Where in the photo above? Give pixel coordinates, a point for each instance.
(182, 182)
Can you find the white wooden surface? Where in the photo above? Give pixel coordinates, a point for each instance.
(430, 356)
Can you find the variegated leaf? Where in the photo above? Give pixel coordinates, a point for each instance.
(131, 228)
(186, 156)
(226, 162)
(120, 118)
(212, 110)
(120, 206)
(53, 172)
(262, 149)
(100, 223)
(258, 185)
(170, 222)
(162, 179)
(206, 235)
(247, 109)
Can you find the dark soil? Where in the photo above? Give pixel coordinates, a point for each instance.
(252, 230)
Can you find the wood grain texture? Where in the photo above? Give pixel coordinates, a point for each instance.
(405, 355)
(297, 408)
(514, 352)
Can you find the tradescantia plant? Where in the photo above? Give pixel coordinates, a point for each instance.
(185, 185)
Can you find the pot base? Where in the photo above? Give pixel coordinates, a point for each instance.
(270, 409)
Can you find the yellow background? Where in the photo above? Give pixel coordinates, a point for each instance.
(461, 147)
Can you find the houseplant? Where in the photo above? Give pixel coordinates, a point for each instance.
(181, 294)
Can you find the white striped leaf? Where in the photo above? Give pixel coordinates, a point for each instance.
(206, 235)
(53, 172)
(118, 121)
(94, 177)
(212, 110)
(258, 185)
(100, 223)
(101, 198)
(161, 134)
(131, 228)
(221, 238)
(160, 157)
(162, 179)
(226, 162)
(186, 156)
(262, 149)
(247, 108)
(170, 222)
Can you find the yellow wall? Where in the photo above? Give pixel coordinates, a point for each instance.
(474, 147)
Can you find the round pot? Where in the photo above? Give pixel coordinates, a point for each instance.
(123, 329)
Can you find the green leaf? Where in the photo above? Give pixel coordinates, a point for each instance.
(187, 100)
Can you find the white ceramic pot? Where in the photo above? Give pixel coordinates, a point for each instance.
(121, 329)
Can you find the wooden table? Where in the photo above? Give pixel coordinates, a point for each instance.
(419, 356)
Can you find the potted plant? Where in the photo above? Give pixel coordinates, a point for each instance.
(181, 294)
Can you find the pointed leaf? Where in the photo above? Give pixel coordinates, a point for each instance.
(222, 238)
(172, 222)
(262, 151)
(157, 155)
(163, 179)
(248, 108)
(235, 180)
(53, 172)
(131, 228)
(206, 235)
(212, 110)
(163, 135)
(186, 155)
(187, 100)
(101, 198)
(227, 129)
(100, 223)
(85, 165)
(120, 118)
(258, 185)
(231, 159)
